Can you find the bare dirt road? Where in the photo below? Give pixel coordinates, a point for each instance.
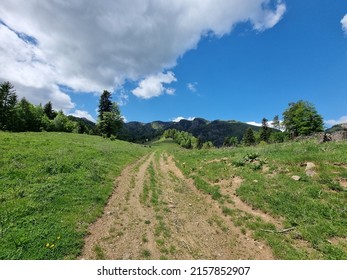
(156, 213)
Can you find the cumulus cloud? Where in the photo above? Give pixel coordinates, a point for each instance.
(90, 45)
(344, 23)
(153, 85)
(343, 119)
(182, 118)
(83, 114)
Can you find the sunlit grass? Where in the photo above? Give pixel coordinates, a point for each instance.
(53, 185)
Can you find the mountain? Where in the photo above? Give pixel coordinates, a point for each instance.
(215, 131)
(338, 127)
(86, 126)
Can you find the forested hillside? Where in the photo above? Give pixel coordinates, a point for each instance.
(214, 131)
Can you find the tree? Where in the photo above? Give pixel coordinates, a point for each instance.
(301, 118)
(8, 101)
(49, 112)
(105, 104)
(265, 131)
(110, 122)
(231, 141)
(276, 122)
(248, 137)
(28, 117)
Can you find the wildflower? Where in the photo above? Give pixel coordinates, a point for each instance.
(47, 245)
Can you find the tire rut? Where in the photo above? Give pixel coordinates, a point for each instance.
(156, 213)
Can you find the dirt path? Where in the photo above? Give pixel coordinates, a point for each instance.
(156, 213)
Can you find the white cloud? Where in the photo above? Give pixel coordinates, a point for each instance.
(83, 114)
(254, 123)
(344, 23)
(343, 119)
(269, 18)
(153, 85)
(182, 118)
(270, 124)
(92, 45)
(124, 119)
(192, 86)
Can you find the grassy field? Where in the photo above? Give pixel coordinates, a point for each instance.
(52, 186)
(313, 208)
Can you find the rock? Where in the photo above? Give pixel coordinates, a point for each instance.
(310, 166)
(296, 178)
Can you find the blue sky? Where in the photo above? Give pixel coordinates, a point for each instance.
(239, 60)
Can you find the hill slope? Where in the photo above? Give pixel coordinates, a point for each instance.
(53, 185)
(215, 131)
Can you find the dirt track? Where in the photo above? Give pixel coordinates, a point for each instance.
(156, 213)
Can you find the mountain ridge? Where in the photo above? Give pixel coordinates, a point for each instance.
(215, 131)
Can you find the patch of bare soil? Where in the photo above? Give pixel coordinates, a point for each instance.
(209, 226)
(183, 223)
(343, 183)
(126, 223)
(341, 164)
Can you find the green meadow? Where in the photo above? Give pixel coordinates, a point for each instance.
(314, 208)
(52, 186)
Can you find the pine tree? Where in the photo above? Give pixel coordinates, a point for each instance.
(105, 104)
(8, 101)
(248, 137)
(265, 131)
(110, 119)
(49, 112)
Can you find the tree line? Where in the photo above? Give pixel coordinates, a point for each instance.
(20, 116)
(299, 119)
(186, 140)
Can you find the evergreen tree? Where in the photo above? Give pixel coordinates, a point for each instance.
(48, 110)
(265, 131)
(110, 122)
(248, 137)
(8, 101)
(105, 104)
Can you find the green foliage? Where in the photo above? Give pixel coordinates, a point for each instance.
(8, 101)
(53, 185)
(248, 137)
(207, 145)
(23, 116)
(185, 139)
(105, 104)
(48, 111)
(110, 119)
(28, 117)
(265, 131)
(232, 141)
(277, 137)
(301, 118)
